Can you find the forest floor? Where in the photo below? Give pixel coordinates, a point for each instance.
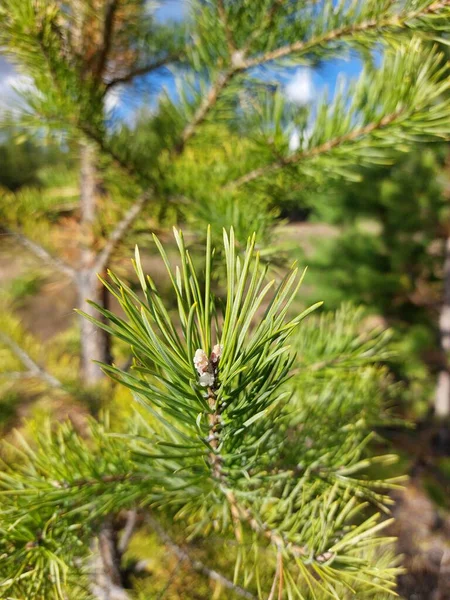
(422, 527)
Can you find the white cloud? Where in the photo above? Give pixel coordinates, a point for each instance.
(113, 99)
(300, 90)
(300, 138)
(12, 84)
(294, 140)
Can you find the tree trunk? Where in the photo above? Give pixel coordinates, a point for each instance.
(94, 342)
(442, 399)
(108, 581)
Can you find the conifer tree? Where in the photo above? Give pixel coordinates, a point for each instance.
(222, 461)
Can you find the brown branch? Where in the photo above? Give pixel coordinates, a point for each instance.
(206, 105)
(119, 232)
(277, 579)
(313, 152)
(238, 513)
(395, 21)
(108, 31)
(25, 358)
(304, 46)
(105, 479)
(275, 538)
(128, 531)
(42, 253)
(143, 70)
(17, 375)
(213, 438)
(196, 565)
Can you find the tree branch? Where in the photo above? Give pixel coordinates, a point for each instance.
(396, 21)
(118, 233)
(240, 63)
(42, 253)
(243, 514)
(206, 105)
(313, 152)
(17, 375)
(196, 564)
(128, 531)
(108, 31)
(25, 358)
(144, 70)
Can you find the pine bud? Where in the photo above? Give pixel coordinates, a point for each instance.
(206, 380)
(201, 362)
(216, 353)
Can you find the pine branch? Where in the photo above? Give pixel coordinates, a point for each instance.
(313, 152)
(119, 232)
(17, 375)
(196, 564)
(111, 10)
(43, 254)
(103, 480)
(143, 70)
(206, 105)
(277, 579)
(348, 31)
(33, 367)
(239, 62)
(239, 513)
(128, 531)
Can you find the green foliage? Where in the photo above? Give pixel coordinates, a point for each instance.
(217, 52)
(225, 445)
(23, 287)
(388, 228)
(387, 253)
(22, 160)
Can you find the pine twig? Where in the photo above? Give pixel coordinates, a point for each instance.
(119, 232)
(42, 253)
(244, 514)
(239, 62)
(206, 105)
(25, 358)
(312, 152)
(143, 70)
(396, 21)
(197, 565)
(18, 375)
(170, 580)
(278, 579)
